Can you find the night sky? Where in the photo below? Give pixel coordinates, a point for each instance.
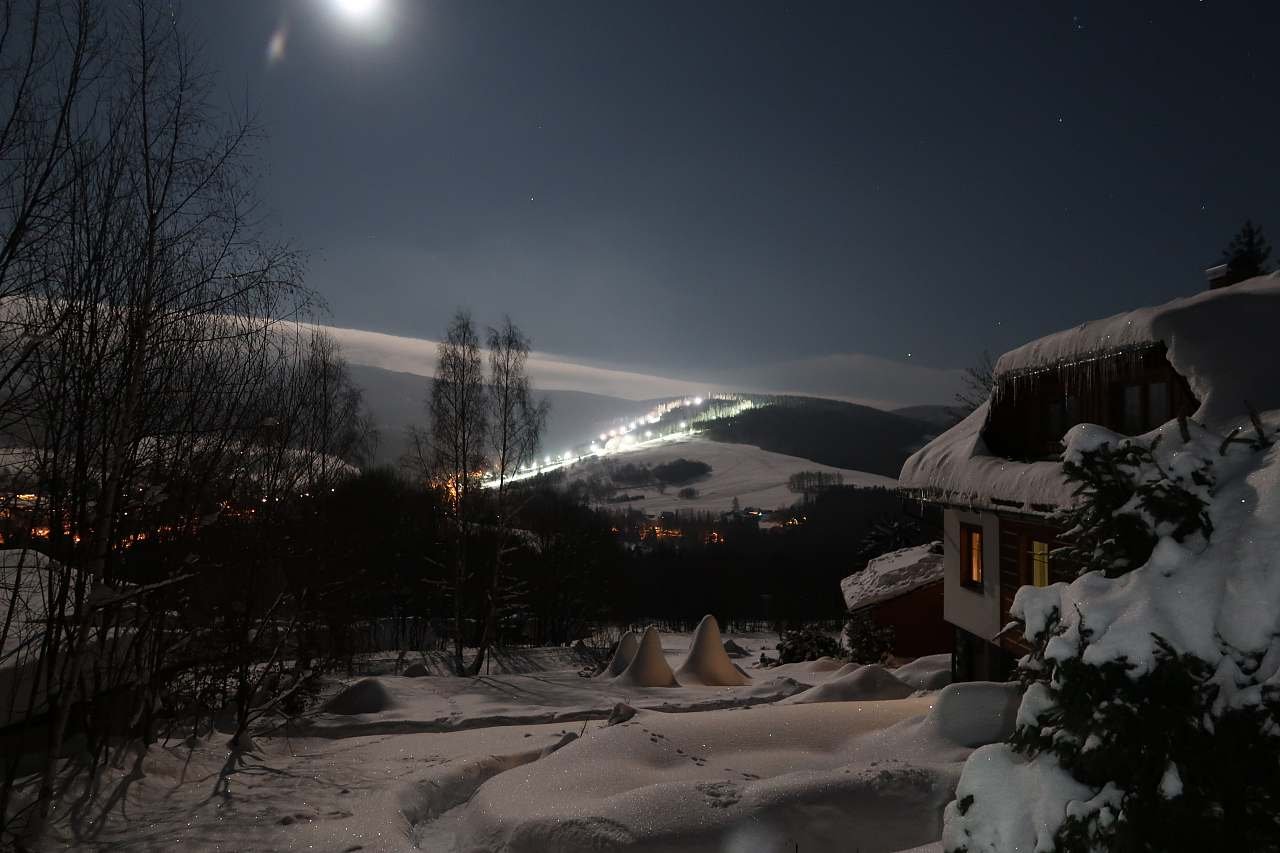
(696, 188)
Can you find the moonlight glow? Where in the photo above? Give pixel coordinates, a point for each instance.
(357, 10)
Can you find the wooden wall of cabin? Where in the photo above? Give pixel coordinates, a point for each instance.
(1016, 538)
(1030, 414)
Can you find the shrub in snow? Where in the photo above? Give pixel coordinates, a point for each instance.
(867, 641)
(1152, 692)
(807, 643)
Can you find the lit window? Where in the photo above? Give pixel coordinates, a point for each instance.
(1040, 563)
(971, 555)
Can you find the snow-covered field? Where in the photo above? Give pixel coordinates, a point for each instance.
(757, 478)
(549, 760)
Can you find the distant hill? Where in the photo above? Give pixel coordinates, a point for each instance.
(398, 400)
(943, 416)
(843, 435)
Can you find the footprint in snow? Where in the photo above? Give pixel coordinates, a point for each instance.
(719, 794)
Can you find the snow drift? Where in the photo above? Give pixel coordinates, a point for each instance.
(931, 672)
(831, 776)
(366, 696)
(868, 682)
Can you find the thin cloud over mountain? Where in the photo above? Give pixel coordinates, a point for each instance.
(854, 377)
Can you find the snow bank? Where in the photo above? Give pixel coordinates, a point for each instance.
(431, 797)
(974, 713)
(868, 776)
(931, 672)
(864, 683)
(815, 776)
(623, 655)
(893, 574)
(649, 667)
(707, 662)
(807, 669)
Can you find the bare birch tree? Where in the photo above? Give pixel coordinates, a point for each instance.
(457, 449)
(515, 424)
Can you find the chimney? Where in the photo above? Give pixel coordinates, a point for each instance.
(1219, 276)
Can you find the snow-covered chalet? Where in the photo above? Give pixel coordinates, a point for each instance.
(997, 474)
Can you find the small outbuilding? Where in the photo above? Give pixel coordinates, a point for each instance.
(902, 590)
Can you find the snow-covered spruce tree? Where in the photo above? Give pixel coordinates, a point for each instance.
(1144, 728)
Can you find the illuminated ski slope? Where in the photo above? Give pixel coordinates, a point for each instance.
(757, 478)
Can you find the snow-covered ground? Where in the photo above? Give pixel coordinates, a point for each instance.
(494, 763)
(757, 478)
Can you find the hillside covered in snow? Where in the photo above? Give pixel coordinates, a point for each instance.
(756, 478)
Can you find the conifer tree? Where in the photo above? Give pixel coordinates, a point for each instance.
(1248, 253)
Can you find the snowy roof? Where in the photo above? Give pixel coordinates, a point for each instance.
(893, 574)
(1223, 342)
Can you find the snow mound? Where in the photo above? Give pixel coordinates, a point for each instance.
(807, 777)
(734, 650)
(864, 683)
(893, 574)
(454, 784)
(366, 696)
(931, 672)
(976, 713)
(623, 655)
(416, 670)
(707, 662)
(649, 667)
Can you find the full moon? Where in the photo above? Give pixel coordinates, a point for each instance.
(357, 10)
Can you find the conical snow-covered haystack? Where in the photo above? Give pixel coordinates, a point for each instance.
(623, 655)
(707, 662)
(649, 666)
